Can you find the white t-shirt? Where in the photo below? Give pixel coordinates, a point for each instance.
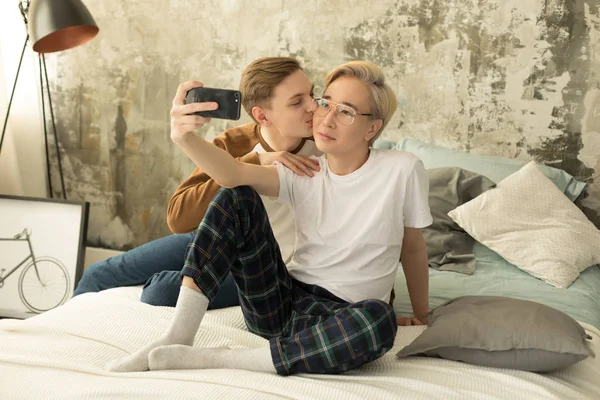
(281, 216)
(350, 228)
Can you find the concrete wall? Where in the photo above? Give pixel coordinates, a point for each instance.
(516, 78)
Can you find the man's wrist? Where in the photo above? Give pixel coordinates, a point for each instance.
(421, 313)
(181, 138)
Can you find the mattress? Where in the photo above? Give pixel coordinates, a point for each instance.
(61, 354)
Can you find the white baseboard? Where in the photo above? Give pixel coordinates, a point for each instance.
(95, 254)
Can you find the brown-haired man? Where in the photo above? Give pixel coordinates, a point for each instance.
(278, 96)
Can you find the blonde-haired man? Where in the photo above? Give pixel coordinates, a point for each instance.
(327, 310)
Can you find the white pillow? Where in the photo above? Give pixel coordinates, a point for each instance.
(529, 222)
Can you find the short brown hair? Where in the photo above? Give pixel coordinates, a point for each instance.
(261, 77)
(383, 99)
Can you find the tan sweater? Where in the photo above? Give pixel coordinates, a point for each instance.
(190, 201)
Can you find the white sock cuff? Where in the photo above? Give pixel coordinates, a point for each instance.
(194, 298)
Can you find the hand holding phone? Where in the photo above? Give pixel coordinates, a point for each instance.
(229, 101)
(183, 120)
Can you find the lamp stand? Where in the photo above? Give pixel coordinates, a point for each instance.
(43, 74)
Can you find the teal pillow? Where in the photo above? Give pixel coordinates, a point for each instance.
(493, 167)
(383, 144)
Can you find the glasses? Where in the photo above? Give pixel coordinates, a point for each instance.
(344, 114)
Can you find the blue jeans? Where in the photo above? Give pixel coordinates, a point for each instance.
(156, 265)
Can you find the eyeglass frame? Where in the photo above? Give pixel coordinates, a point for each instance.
(317, 99)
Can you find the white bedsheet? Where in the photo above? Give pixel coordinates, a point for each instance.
(61, 355)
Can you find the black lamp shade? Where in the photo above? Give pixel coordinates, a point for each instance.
(56, 25)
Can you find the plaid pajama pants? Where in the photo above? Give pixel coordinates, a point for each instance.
(310, 330)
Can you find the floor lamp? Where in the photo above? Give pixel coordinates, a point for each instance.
(52, 26)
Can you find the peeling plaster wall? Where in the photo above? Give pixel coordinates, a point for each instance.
(515, 78)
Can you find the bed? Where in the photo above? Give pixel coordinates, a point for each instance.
(61, 354)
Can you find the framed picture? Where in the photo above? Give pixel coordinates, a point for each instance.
(42, 251)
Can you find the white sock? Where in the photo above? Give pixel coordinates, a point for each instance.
(186, 357)
(189, 311)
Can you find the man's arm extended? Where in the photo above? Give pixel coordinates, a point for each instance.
(225, 170)
(214, 161)
(416, 270)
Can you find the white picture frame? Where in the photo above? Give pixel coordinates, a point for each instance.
(42, 251)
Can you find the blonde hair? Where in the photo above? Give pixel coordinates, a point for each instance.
(260, 79)
(383, 98)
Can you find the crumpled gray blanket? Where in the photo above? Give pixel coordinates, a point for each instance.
(449, 247)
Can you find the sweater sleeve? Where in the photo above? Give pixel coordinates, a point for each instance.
(190, 201)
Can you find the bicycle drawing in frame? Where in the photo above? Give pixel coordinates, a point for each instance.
(44, 282)
(42, 250)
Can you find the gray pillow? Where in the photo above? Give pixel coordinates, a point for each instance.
(587, 203)
(502, 332)
(449, 247)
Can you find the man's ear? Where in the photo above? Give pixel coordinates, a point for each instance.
(373, 129)
(260, 116)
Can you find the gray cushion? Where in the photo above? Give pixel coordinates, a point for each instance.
(449, 247)
(502, 332)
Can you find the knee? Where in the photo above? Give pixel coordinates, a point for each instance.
(237, 195)
(162, 289)
(241, 201)
(91, 278)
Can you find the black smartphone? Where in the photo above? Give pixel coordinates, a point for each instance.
(229, 101)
